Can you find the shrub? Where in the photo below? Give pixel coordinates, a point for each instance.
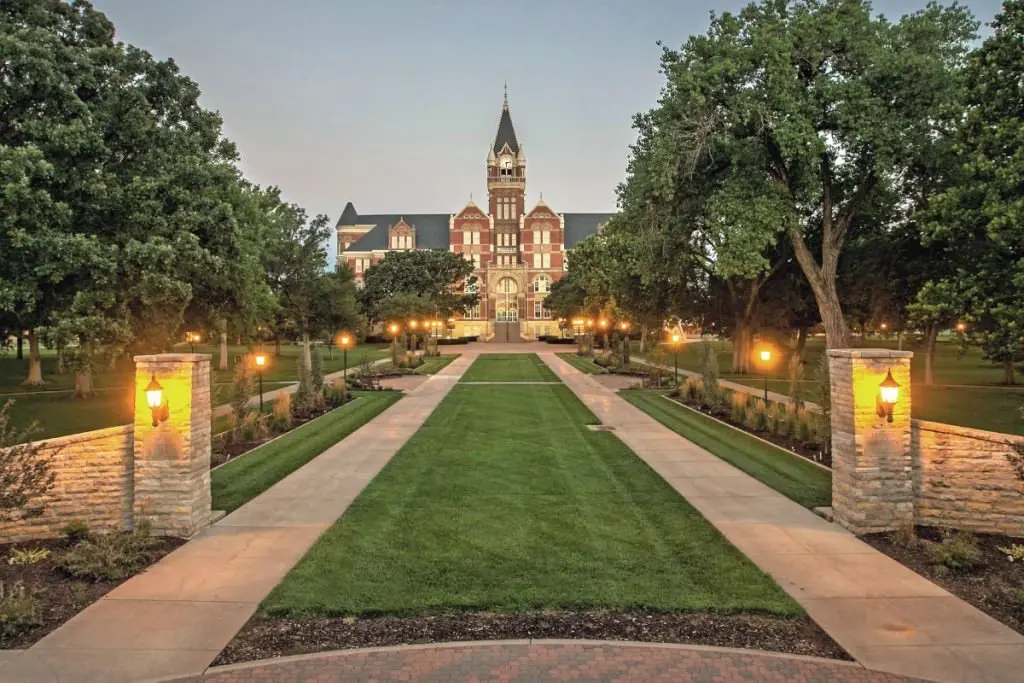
(111, 556)
(1014, 552)
(253, 427)
(738, 403)
(303, 398)
(336, 393)
(27, 475)
(693, 389)
(804, 427)
(281, 416)
(19, 610)
(956, 552)
(905, 535)
(75, 531)
(26, 556)
(241, 388)
(316, 373)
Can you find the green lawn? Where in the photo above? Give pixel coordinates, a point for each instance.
(790, 475)
(496, 367)
(245, 478)
(434, 364)
(488, 508)
(582, 363)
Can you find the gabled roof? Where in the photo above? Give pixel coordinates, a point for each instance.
(579, 226)
(431, 230)
(348, 216)
(506, 133)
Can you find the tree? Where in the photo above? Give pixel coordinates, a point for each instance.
(815, 105)
(981, 215)
(335, 307)
(441, 277)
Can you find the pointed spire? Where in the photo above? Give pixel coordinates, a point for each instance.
(506, 133)
(504, 104)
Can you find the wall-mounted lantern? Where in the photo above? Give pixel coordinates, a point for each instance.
(155, 401)
(888, 394)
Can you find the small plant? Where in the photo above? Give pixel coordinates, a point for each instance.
(281, 418)
(241, 388)
(303, 400)
(26, 472)
(27, 556)
(316, 373)
(738, 402)
(253, 427)
(693, 389)
(956, 552)
(111, 556)
(1014, 552)
(75, 532)
(905, 535)
(19, 609)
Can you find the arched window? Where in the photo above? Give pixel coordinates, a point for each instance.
(542, 285)
(507, 285)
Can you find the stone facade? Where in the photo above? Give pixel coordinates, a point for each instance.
(968, 478)
(172, 459)
(93, 484)
(872, 487)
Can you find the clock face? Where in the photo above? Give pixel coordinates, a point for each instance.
(506, 162)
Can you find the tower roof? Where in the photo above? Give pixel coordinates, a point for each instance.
(348, 216)
(506, 133)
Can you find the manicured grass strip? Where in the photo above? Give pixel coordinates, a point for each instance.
(790, 475)
(434, 364)
(512, 367)
(505, 501)
(243, 479)
(582, 363)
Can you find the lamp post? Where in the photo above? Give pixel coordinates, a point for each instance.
(394, 329)
(676, 342)
(413, 325)
(155, 400)
(766, 357)
(261, 361)
(345, 342)
(589, 324)
(625, 327)
(603, 324)
(192, 338)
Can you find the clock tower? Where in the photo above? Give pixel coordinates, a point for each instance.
(506, 189)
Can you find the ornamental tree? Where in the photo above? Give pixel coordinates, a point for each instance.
(441, 277)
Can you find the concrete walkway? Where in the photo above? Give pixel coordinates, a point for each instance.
(885, 615)
(174, 619)
(534, 661)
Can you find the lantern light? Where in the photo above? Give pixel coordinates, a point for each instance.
(889, 394)
(624, 326)
(345, 341)
(766, 355)
(413, 324)
(260, 359)
(961, 327)
(393, 328)
(676, 338)
(602, 323)
(155, 400)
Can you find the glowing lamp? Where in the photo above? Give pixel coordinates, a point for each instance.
(624, 326)
(676, 338)
(260, 360)
(885, 326)
(766, 355)
(889, 393)
(393, 328)
(413, 324)
(602, 323)
(961, 327)
(155, 400)
(345, 341)
(590, 323)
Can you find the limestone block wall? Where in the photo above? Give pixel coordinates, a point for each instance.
(967, 478)
(93, 483)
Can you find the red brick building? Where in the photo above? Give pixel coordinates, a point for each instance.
(519, 252)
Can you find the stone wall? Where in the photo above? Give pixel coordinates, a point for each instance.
(93, 484)
(967, 478)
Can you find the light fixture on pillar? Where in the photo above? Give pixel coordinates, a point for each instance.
(155, 401)
(888, 394)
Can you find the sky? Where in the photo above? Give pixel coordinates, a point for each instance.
(393, 104)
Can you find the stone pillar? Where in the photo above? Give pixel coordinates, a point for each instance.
(872, 473)
(172, 460)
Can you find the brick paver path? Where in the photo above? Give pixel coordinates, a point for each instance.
(885, 615)
(174, 618)
(548, 661)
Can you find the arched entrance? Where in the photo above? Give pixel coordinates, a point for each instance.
(506, 306)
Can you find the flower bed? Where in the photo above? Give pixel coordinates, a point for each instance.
(796, 429)
(45, 583)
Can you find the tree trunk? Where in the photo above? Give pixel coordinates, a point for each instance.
(307, 359)
(60, 359)
(223, 361)
(797, 360)
(1008, 372)
(643, 338)
(931, 336)
(742, 338)
(21, 346)
(823, 283)
(83, 383)
(277, 344)
(35, 362)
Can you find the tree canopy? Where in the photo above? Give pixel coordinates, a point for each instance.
(442, 278)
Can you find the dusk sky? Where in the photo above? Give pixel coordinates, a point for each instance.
(392, 104)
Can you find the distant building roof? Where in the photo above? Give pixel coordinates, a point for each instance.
(579, 226)
(348, 216)
(431, 230)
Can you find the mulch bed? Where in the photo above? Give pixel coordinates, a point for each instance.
(224, 452)
(266, 637)
(60, 597)
(992, 586)
(809, 451)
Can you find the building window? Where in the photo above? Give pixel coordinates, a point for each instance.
(539, 312)
(476, 237)
(467, 237)
(476, 261)
(513, 239)
(545, 237)
(536, 237)
(473, 312)
(472, 287)
(361, 264)
(536, 260)
(545, 260)
(542, 285)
